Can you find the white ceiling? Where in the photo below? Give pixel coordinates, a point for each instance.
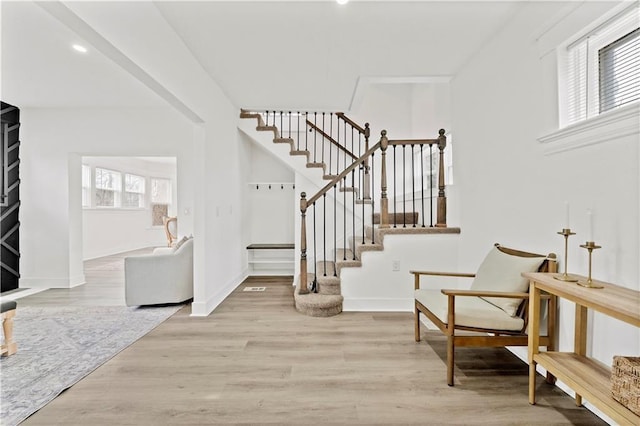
(263, 54)
(40, 69)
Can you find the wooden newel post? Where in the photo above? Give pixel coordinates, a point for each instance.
(442, 199)
(384, 201)
(366, 182)
(303, 245)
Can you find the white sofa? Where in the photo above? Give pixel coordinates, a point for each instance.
(166, 276)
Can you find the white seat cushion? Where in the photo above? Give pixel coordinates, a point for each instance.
(503, 272)
(470, 311)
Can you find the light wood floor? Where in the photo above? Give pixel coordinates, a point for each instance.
(255, 360)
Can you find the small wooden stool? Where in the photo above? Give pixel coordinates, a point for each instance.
(8, 311)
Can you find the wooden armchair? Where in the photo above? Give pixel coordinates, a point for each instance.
(495, 307)
(170, 229)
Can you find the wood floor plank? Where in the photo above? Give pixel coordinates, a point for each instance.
(255, 360)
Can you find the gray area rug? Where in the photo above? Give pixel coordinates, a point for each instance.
(59, 346)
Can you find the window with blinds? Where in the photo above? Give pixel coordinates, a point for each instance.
(133, 191)
(603, 67)
(108, 184)
(619, 66)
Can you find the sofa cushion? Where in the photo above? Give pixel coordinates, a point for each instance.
(503, 272)
(470, 311)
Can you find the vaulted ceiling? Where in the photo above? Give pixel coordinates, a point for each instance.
(262, 53)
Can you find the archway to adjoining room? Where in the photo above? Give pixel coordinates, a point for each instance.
(124, 200)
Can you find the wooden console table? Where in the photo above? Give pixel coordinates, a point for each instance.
(588, 377)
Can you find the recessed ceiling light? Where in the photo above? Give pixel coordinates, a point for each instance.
(342, 1)
(79, 48)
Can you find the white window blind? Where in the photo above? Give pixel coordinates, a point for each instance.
(603, 67)
(619, 64)
(133, 191)
(108, 188)
(160, 191)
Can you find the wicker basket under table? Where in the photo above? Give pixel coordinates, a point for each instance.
(625, 382)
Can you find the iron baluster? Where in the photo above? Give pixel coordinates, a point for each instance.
(404, 186)
(315, 134)
(344, 218)
(324, 233)
(322, 152)
(422, 180)
(330, 135)
(431, 184)
(353, 213)
(314, 284)
(395, 192)
(335, 231)
(413, 187)
(373, 184)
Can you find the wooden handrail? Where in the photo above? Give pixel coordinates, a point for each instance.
(345, 172)
(330, 139)
(364, 162)
(353, 123)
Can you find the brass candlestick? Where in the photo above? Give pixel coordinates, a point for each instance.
(564, 276)
(590, 246)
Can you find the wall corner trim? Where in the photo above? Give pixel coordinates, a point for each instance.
(203, 309)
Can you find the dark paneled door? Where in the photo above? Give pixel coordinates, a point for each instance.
(9, 197)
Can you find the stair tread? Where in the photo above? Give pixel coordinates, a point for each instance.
(318, 165)
(342, 254)
(418, 229)
(267, 128)
(318, 304)
(282, 140)
(299, 152)
(367, 246)
(325, 267)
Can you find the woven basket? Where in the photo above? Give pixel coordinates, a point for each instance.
(625, 382)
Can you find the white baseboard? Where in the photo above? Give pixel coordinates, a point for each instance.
(45, 283)
(522, 353)
(377, 305)
(203, 309)
(77, 280)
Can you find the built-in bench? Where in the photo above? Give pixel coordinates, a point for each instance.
(271, 258)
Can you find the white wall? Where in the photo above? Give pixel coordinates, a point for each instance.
(211, 159)
(103, 228)
(512, 193)
(377, 287)
(54, 140)
(271, 216)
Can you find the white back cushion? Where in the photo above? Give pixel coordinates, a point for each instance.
(502, 272)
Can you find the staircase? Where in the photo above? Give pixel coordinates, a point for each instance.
(340, 148)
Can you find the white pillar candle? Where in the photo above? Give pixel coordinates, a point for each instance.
(566, 220)
(590, 225)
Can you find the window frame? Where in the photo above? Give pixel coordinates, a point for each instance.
(153, 202)
(592, 35)
(143, 200)
(117, 193)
